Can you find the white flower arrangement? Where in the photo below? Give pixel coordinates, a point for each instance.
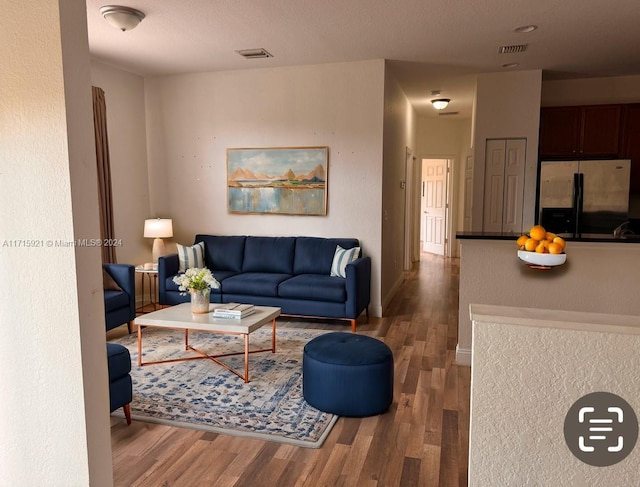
(196, 279)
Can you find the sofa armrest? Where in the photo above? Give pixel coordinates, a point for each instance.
(168, 266)
(358, 285)
(124, 275)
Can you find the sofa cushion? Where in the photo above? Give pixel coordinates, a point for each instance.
(223, 253)
(254, 283)
(341, 258)
(315, 287)
(314, 255)
(190, 256)
(115, 299)
(269, 254)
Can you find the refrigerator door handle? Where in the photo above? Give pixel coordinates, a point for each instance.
(579, 203)
(576, 201)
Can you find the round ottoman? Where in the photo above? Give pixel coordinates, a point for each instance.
(347, 374)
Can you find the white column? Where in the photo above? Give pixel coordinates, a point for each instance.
(54, 423)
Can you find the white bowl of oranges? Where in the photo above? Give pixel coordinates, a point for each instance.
(542, 248)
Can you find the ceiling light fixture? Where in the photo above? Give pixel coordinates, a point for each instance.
(440, 103)
(123, 18)
(524, 29)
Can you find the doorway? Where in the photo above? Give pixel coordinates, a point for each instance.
(434, 204)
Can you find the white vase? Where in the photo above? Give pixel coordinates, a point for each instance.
(200, 300)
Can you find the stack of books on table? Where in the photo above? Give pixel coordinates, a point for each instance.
(234, 310)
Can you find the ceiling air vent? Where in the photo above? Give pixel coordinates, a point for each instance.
(512, 49)
(447, 113)
(254, 53)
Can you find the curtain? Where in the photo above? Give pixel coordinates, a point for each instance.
(107, 231)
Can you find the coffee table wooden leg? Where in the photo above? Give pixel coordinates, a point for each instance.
(186, 339)
(273, 336)
(246, 358)
(139, 345)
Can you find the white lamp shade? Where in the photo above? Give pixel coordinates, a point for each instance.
(158, 228)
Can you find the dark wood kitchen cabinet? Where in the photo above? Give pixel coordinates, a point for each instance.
(631, 142)
(580, 132)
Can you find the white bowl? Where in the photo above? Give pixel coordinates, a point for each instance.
(549, 260)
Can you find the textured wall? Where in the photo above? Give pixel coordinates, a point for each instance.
(54, 413)
(526, 375)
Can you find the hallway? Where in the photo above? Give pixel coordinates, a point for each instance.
(422, 440)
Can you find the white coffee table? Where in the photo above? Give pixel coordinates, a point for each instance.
(180, 317)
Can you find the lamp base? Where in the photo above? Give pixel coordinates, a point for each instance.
(158, 249)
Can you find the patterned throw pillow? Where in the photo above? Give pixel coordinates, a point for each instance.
(190, 256)
(340, 260)
(108, 282)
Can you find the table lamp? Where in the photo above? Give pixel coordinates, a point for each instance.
(157, 229)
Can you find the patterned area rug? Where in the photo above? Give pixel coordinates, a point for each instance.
(200, 394)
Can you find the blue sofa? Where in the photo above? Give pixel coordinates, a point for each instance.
(120, 305)
(292, 273)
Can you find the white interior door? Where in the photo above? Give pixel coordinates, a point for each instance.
(514, 168)
(434, 175)
(504, 185)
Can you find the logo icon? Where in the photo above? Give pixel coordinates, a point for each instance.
(601, 429)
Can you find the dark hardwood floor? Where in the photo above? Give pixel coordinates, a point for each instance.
(422, 440)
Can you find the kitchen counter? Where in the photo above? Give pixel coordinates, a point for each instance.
(514, 236)
(601, 275)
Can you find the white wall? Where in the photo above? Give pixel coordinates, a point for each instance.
(192, 119)
(541, 362)
(124, 96)
(592, 91)
(437, 139)
(507, 106)
(54, 414)
(400, 126)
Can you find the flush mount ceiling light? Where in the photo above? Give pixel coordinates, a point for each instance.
(440, 103)
(123, 18)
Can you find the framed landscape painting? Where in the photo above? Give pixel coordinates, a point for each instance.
(278, 180)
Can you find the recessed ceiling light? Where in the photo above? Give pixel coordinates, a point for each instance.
(511, 65)
(525, 28)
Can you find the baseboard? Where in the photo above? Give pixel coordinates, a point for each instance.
(463, 356)
(392, 292)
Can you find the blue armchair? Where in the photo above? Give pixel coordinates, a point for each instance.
(120, 385)
(120, 305)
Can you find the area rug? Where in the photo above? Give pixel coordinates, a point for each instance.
(202, 395)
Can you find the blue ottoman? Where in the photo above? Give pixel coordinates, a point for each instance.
(347, 374)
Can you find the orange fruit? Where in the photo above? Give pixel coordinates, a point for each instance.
(537, 232)
(540, 248)
(555, 248)
(530, 244)
(550, 236)
(560, 241)
(522, 240)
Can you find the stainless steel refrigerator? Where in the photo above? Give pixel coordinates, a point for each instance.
(579, 198)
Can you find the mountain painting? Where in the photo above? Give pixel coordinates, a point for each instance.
(279, 180)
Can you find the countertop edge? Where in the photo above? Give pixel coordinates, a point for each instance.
(513, 236)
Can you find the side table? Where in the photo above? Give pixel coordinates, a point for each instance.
(152, 277)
